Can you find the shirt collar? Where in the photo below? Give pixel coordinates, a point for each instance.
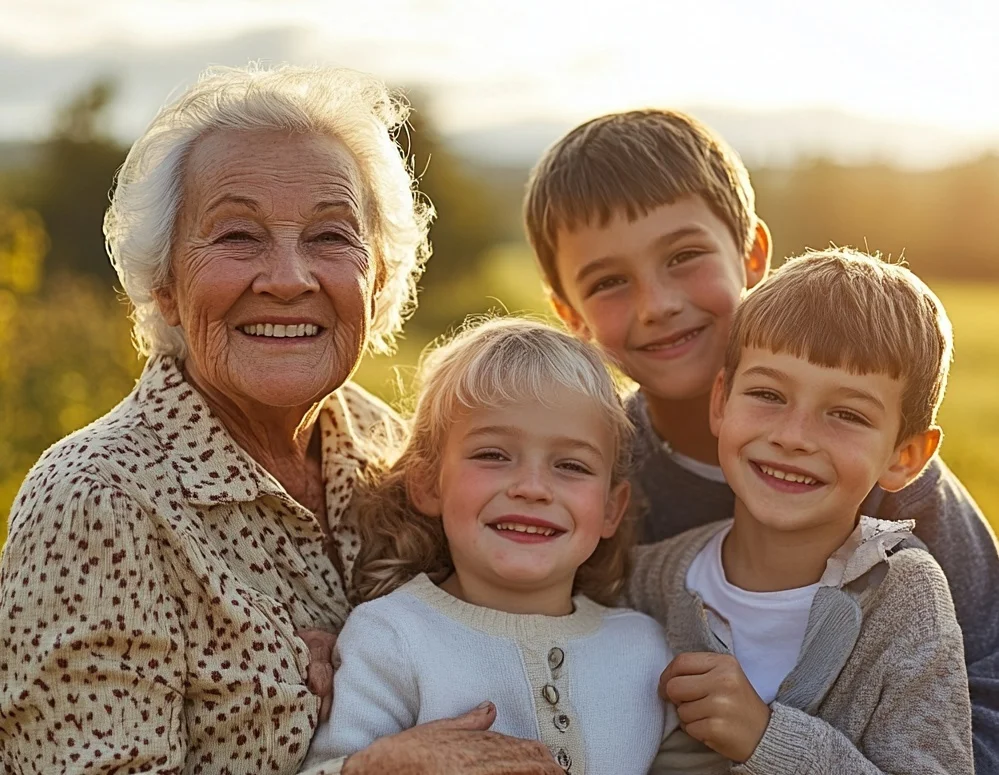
(867, 547)
(210, 466)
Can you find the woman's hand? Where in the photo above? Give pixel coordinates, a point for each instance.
(458, 746)
(319, 677)
(716, 703)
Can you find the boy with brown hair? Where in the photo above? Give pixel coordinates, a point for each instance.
(645, 230)
(811, 639)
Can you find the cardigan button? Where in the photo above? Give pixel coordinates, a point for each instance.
(563, 759)
(561, 722)
(550, 693)
(555, 658)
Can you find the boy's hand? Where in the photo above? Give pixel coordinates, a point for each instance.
(320, 670)
(716, 703)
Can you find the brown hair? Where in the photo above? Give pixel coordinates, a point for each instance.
(633, 162)
(845, 309)
(489, 363)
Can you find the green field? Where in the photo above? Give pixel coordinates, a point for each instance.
(970, 413)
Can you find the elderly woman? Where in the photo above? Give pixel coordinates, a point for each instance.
(161, 560)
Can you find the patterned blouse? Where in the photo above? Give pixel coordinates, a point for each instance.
(152, 584)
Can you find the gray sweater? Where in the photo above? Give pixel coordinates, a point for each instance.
(879, 686)
(947, 520)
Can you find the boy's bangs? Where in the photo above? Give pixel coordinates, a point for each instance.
(599, 187)
(825, 333)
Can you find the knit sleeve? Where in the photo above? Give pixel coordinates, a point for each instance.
(375, 690)
(922, 720)
(91, 655)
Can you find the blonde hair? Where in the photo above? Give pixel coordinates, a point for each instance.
(845, 309)
(354, 107)
(632, 163)
(487, 364)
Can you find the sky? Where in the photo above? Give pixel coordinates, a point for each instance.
(484, 63)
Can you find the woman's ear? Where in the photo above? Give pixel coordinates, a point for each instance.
(617, 507)
(718, 399)
(423, 490)
(572, 319)
(166, 300)
(909, 459)
(757, 262)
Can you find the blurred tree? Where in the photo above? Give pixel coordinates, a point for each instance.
(65, 359)
(23, 245)
(465, 230)
(65, 352)
(69, 188)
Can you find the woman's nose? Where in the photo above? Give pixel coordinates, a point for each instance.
(287, 274)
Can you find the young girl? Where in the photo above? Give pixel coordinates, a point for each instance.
(500, 534)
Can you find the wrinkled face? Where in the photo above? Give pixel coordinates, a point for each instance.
(525, 491)
(657, 293)
(272, 279)
(802, 445)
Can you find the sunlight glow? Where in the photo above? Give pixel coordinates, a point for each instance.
(929, 63)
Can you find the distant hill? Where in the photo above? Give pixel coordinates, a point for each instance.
(764, 139)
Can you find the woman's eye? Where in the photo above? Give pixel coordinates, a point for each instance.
(236, 236)
(330, 236)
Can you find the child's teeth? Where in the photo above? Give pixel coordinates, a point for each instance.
(518, 528)
(683, 339)
(787, 476)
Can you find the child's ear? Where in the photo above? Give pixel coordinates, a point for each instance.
(422, 488)
(758, 260)
(166, 299)
(617, 507)
(909, 459)
(718, 399)
(569, 316)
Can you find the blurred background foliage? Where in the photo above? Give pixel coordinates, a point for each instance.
(65, 351)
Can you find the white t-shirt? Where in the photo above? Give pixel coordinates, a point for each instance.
(766, 629)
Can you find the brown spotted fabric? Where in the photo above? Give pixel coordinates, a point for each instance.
(152, 584)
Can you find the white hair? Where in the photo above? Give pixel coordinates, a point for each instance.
(354, 107)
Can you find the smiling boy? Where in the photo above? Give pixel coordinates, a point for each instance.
(644, 227)
(811, 639)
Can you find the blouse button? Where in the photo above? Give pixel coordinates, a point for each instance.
(555, 658)
(563, 759)
(561, 722)
(550, 694)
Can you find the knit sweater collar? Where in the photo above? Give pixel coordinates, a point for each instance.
(866, 547)
(835, 619)
(585, 618)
